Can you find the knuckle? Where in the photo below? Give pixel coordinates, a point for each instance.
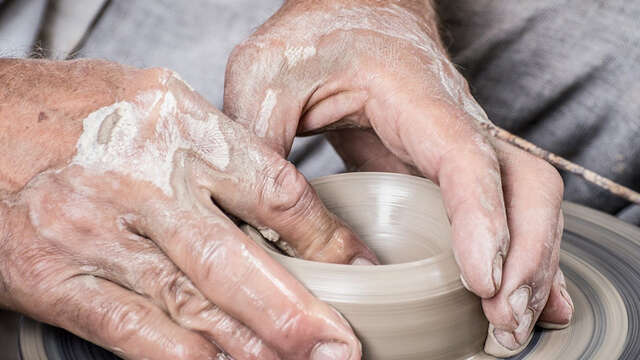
(184, 302)
(240, 59)
(290, 330)
(549, 173)
(253, 59)
(120, 322)
(213, 263)
(244, 54)
(286, 189)
(214, 258)
(550, 177)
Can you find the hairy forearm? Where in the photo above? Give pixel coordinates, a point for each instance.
(41, 107)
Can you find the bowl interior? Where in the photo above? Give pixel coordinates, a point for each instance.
(393, 214)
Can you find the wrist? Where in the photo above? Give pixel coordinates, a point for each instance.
(43, 104)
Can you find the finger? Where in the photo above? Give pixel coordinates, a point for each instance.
(276, 198)
(533, 190)
(234, 273)
(442, 141)
(158, 279)
(266, 107)
(362, 150)
(123, 322)
(284, 207)
(558, 312)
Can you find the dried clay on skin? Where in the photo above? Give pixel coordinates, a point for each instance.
(116, 138)
(392, 21)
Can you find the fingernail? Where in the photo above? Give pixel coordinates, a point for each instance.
(519, 300)
(567, 298)
(330, 351)
(524, 326)
(503, 344)
(506, 339)
(361, 261)
(497, 271)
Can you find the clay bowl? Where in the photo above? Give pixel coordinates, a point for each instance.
(413, 306)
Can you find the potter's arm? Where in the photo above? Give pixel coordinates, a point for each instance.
(41, 103)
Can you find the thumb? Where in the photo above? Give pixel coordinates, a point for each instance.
(267, 93)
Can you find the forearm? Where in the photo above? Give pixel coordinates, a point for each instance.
(42, 104)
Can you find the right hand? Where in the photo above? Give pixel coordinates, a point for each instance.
(376, 78)
(110, 231)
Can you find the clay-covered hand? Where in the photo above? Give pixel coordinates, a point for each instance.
(108, 228)
(375, 77)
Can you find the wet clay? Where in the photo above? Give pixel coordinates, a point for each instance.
(414, 306)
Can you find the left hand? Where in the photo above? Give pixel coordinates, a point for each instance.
(375, 76)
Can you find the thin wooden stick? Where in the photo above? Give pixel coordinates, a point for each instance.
(563, 163)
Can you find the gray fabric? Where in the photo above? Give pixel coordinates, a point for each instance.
(19, 26)
(66, 24)
(563, 74)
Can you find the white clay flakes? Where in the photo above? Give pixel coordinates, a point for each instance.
(268, 104)
(144, 156)
(297, 54)
(389, 21)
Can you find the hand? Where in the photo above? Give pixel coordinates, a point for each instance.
(108, 228)
(375, 77)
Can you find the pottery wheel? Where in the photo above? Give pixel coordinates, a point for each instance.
(600, 259)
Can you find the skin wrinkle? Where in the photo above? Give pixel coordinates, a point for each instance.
(154, 162)
(378, 23)
(359, 18)
(540, 283)
(89, 212)
(391, 52)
